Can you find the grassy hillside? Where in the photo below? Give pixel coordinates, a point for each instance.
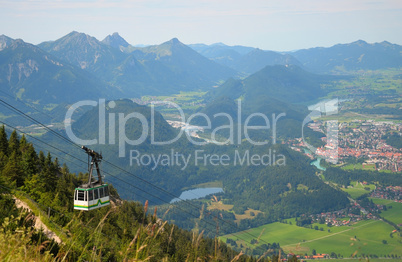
(121, 231)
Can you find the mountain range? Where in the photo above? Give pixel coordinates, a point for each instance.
(112, 68)
(33, 75)
(154, 70)
(358, 55)
(246, 60)
(340, 58)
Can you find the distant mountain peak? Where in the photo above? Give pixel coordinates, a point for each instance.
(174, 41)
(386, 44)
(39, 76)
(257, 50)
(115, 40)
(218, 44)
(19, 43)
(77, 38)
(76, 34)
(360, 42)
(5, 41)
(81, 50)
(168, 47)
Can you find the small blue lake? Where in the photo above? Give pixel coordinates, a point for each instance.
(197, 193)
(316, 163)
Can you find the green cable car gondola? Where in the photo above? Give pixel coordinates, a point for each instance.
(92, 195)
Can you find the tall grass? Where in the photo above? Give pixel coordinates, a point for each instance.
(16, 235)
(152, 241)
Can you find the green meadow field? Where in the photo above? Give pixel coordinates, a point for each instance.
(341, 240)
(355, 192)
(370, 167)
(358, 189)
(394, 210)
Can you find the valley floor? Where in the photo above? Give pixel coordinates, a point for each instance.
(368, 237)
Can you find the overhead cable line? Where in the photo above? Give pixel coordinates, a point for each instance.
(7, 105)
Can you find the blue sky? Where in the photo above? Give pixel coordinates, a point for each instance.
(272, 25)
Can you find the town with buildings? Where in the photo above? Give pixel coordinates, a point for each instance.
(358, 139)
(390, 192)
(364, 209)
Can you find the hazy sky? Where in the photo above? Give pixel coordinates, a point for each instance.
(271, 25)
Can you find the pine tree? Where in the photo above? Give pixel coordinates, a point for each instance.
(41, 159)
(23, 143)
(48, 174)
(56, 165)
(3, 141)
(14, 143)
(29, 161)
(3, 160)
(34, 186)
(12, 172)
(65, 169)
(64, 192)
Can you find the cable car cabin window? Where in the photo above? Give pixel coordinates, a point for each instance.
(106, 191)
(81, 195)
(90, 195)
(101, 192)
(96, 194)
